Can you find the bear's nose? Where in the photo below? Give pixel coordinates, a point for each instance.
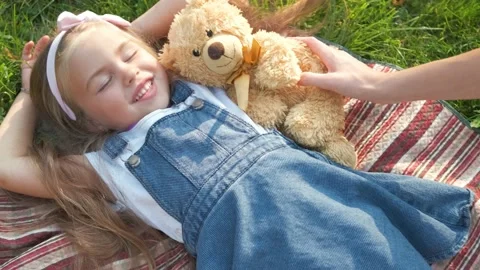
(216, 50)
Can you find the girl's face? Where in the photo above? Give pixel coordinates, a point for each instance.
(114, 79)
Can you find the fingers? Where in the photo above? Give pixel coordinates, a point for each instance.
(27, 50)
(41, 45)
(317, 46)
(27, 54)
(321, 80)
(322, 50)
(31, 51)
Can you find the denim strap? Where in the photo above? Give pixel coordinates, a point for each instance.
(180, 91)
(114, 146)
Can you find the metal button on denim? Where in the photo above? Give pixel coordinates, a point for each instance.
(197, 104)
(134, 160)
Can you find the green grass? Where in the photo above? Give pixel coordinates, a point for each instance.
(417, 32)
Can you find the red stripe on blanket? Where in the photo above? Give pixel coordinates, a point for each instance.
(399, 110)
(185, 261)
(447, 167)
(439, 148)
(37, 253)
(354, 114)
(5, 207)
(474, 185)
(27, 240)
(454, 158)
(356, 117)
(62, 264)
(351, 114)
(462, 260)
(473, 253)
(166, 257)
(183, 258)
(176, 256)
(21, 221)
(4, 199)
(363, 143)
(402, 144)
(467, 159)
(432, 147)
(454, 153)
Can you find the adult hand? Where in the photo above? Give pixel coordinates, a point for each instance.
(346, 75)
(29, 56)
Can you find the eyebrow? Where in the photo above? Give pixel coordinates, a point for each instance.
(100, 70)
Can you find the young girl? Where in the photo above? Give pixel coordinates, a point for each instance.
(187, 161)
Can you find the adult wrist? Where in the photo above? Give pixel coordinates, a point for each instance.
(377, 87)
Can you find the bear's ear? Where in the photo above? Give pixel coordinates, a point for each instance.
(199, 3)
(195, 3)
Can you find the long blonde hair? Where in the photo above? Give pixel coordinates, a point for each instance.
(86, 214)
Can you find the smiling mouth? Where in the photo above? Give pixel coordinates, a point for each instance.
(146, 88)
(231, 58)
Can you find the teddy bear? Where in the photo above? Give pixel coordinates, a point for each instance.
(211, 43)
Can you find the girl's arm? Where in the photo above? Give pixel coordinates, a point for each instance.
(451, 78)
(156, 21)
(18, 172)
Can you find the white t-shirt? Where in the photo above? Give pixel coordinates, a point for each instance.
(128, 190)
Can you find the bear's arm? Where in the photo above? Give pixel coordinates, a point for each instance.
(278, 65)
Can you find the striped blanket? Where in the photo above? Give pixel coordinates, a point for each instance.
(423, 138)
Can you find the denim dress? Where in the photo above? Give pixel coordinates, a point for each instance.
(255, 200)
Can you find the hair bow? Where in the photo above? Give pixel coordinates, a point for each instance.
(67, 20)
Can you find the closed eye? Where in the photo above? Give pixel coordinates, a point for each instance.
(104, 85)
(130, 57)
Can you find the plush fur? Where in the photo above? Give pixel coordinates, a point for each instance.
(205, 46)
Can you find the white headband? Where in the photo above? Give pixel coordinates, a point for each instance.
(66, 21)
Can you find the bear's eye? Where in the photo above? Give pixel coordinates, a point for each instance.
(196, 53)
(209, 33)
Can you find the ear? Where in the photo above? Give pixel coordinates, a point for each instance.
(165, 57)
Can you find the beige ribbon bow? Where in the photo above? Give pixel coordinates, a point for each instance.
(240, 79)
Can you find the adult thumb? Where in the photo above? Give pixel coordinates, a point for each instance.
(322, 80)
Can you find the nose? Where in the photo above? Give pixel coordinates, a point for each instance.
(216, 50)
(130, 73)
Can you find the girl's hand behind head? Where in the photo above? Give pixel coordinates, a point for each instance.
(29, 56)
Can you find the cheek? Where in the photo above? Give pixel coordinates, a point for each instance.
(102, 104)
(80, 96)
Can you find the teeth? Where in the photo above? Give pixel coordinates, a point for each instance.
(144, 90)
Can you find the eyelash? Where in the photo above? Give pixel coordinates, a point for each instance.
(131, 56)
(105, 84)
